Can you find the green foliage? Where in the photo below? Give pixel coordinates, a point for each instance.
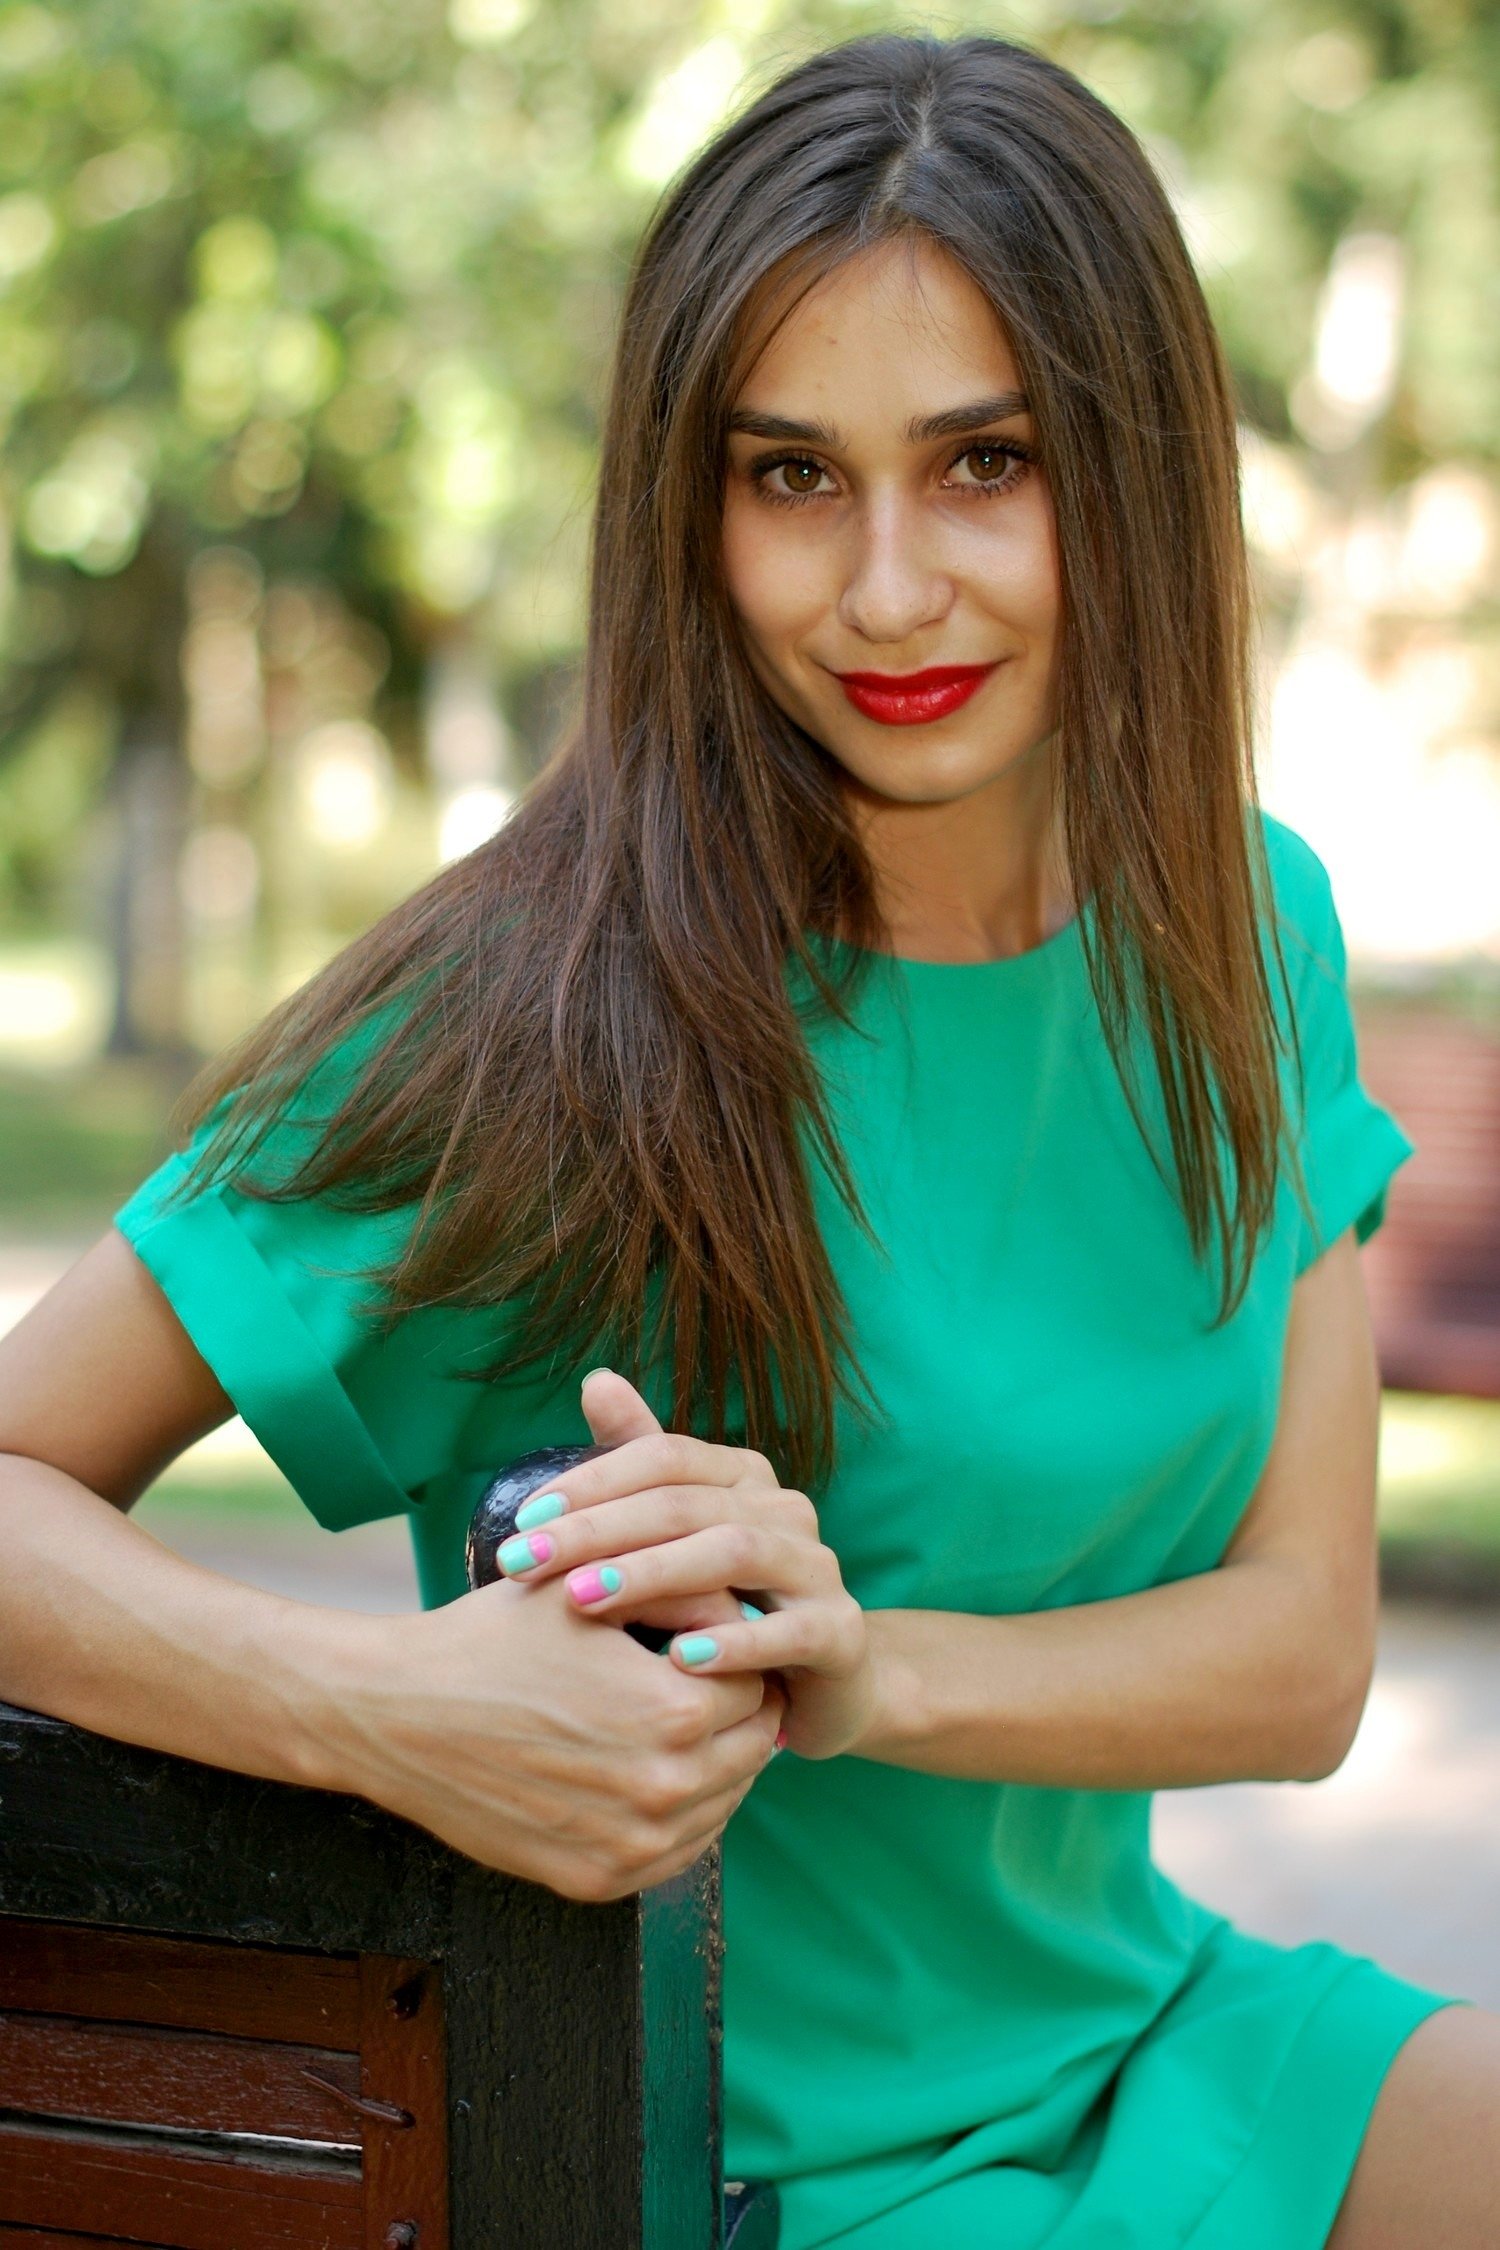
(72, 1148)
(333, 281)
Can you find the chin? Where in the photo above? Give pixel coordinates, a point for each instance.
(936, 775)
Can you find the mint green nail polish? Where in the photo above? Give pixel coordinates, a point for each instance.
(609, 1578)
(698, 1648)
(518, 1555)
(750, 1613)
(541, 1509)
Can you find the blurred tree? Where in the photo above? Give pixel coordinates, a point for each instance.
(303, 309)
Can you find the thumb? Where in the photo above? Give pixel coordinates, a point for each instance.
(615, 1409)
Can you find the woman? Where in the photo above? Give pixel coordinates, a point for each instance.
(889, 1034)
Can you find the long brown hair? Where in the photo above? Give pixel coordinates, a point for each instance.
(583, 1065)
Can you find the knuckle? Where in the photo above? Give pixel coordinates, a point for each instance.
(659, 1786)
(849, 1625)
(681, 1509)
(800, 1512)
(756, 1465)
(641, 1845)
(674, 1452)
(678, 1722)
(740, 1546)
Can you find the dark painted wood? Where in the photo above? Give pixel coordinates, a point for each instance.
(752, 2216)
(402, 2069)
(135, 2074)
(580, 2041)
(122, 1976)
(679, 2063)
(47, 2238)
(152, 2191)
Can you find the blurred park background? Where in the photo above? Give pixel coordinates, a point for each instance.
(304, 312)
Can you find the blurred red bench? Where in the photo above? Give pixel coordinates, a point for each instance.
(1434, 1267)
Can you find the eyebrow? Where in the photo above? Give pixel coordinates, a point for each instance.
(952, 422)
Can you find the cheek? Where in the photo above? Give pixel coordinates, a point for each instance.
(774, 581)
(1012, 566)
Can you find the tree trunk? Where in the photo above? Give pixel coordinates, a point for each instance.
(144, 902)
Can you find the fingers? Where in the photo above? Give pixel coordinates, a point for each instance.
(727, 1555)
(643, 1874)
(826, 1637)
(657, 1458)
(736, 1754)
(730, 1702)
(689, 1611)
(551, 1540)
(614, 1409)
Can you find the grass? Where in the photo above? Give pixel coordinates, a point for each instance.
(73, 1145)
(1440, 1495)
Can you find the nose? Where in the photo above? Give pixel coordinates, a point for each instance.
(895, 582)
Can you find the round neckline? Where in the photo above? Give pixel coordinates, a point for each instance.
(1062, 942)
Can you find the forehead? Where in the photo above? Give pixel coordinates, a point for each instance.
(902, 317)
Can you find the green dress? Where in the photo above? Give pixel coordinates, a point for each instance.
(956, 2012)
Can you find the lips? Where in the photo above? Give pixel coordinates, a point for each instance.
(911, 699)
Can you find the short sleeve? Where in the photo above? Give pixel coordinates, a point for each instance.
(276, 1297)
(1350, 1146)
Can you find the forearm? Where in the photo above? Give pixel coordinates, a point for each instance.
(1242, 1673)
(102, 1625)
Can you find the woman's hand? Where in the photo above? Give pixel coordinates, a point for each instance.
(509, 1726)
(665, 1518)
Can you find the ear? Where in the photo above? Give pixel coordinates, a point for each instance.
(615, 1409)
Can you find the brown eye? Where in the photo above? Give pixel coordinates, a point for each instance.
(987, 461)
(801, 476)
(992, 467)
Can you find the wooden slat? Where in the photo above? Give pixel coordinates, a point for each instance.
(245, 1991)
(130, 2074)
(47, 2238)
(401, 2059)
(70, 2180)
(1434, 1269)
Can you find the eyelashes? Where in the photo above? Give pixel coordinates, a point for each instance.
(1019, 456)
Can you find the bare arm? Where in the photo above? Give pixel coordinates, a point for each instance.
(1257, 1670)
(566, 1755)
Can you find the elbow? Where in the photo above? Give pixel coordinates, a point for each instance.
(1329, 1724)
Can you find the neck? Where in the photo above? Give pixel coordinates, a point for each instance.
(975, 878)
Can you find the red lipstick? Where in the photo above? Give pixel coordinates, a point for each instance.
(910, 699)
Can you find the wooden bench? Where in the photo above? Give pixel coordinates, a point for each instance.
(237, 2015)
(1434, 1267)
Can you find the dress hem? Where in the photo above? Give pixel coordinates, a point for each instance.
(1310, 2132)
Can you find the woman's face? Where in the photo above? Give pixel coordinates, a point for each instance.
(884, 518)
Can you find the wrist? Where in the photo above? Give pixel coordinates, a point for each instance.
(327, 1664)
(896, 1723)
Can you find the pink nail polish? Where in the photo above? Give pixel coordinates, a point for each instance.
(593, 1585)
(542, 1545)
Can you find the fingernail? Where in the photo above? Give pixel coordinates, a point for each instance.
(596, 1371)
(781, 1738)
(698, 1648)
(593, 1585)
(524, 1554)
(749, 1612)
(542, 1509)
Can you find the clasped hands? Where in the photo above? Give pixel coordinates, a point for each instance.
(556, 1748)
(669, 1530)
